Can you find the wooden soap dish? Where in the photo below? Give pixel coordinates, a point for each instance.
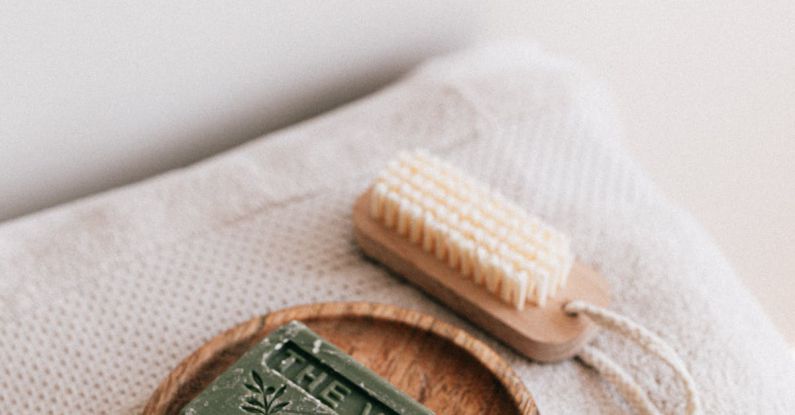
(436, 363)
(546, 334)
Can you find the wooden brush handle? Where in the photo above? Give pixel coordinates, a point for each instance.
(545, 334)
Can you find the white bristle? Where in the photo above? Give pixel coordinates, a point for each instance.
(377, 201)
(403, 217)
(454, 250)
(481, 265)
(440, 244)
(427, 234)
(522, 281)
(493, 273)
(415, 227)
(475, 231)
(390, 209)
(542, 289)
(467, 258)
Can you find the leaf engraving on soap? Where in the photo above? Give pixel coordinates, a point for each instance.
(266, 400)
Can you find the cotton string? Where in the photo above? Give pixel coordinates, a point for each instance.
(652, 343)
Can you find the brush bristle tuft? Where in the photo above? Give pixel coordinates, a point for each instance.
(474, 230)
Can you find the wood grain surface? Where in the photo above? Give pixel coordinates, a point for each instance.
(546, 334)
(436, 363)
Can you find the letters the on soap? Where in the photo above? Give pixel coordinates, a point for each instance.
(321, 381)
(295, 371)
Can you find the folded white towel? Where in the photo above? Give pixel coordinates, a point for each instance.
(101, 297)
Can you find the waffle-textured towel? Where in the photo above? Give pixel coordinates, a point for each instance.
(101, 297)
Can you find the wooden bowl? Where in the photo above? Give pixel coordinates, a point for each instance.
(438, 364)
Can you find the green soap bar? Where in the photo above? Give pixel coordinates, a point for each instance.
(295, 371)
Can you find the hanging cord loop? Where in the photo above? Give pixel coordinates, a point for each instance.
(648, 341)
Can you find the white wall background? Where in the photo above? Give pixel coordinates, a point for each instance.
(707, 92)
(98, 93)
(94, 94)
